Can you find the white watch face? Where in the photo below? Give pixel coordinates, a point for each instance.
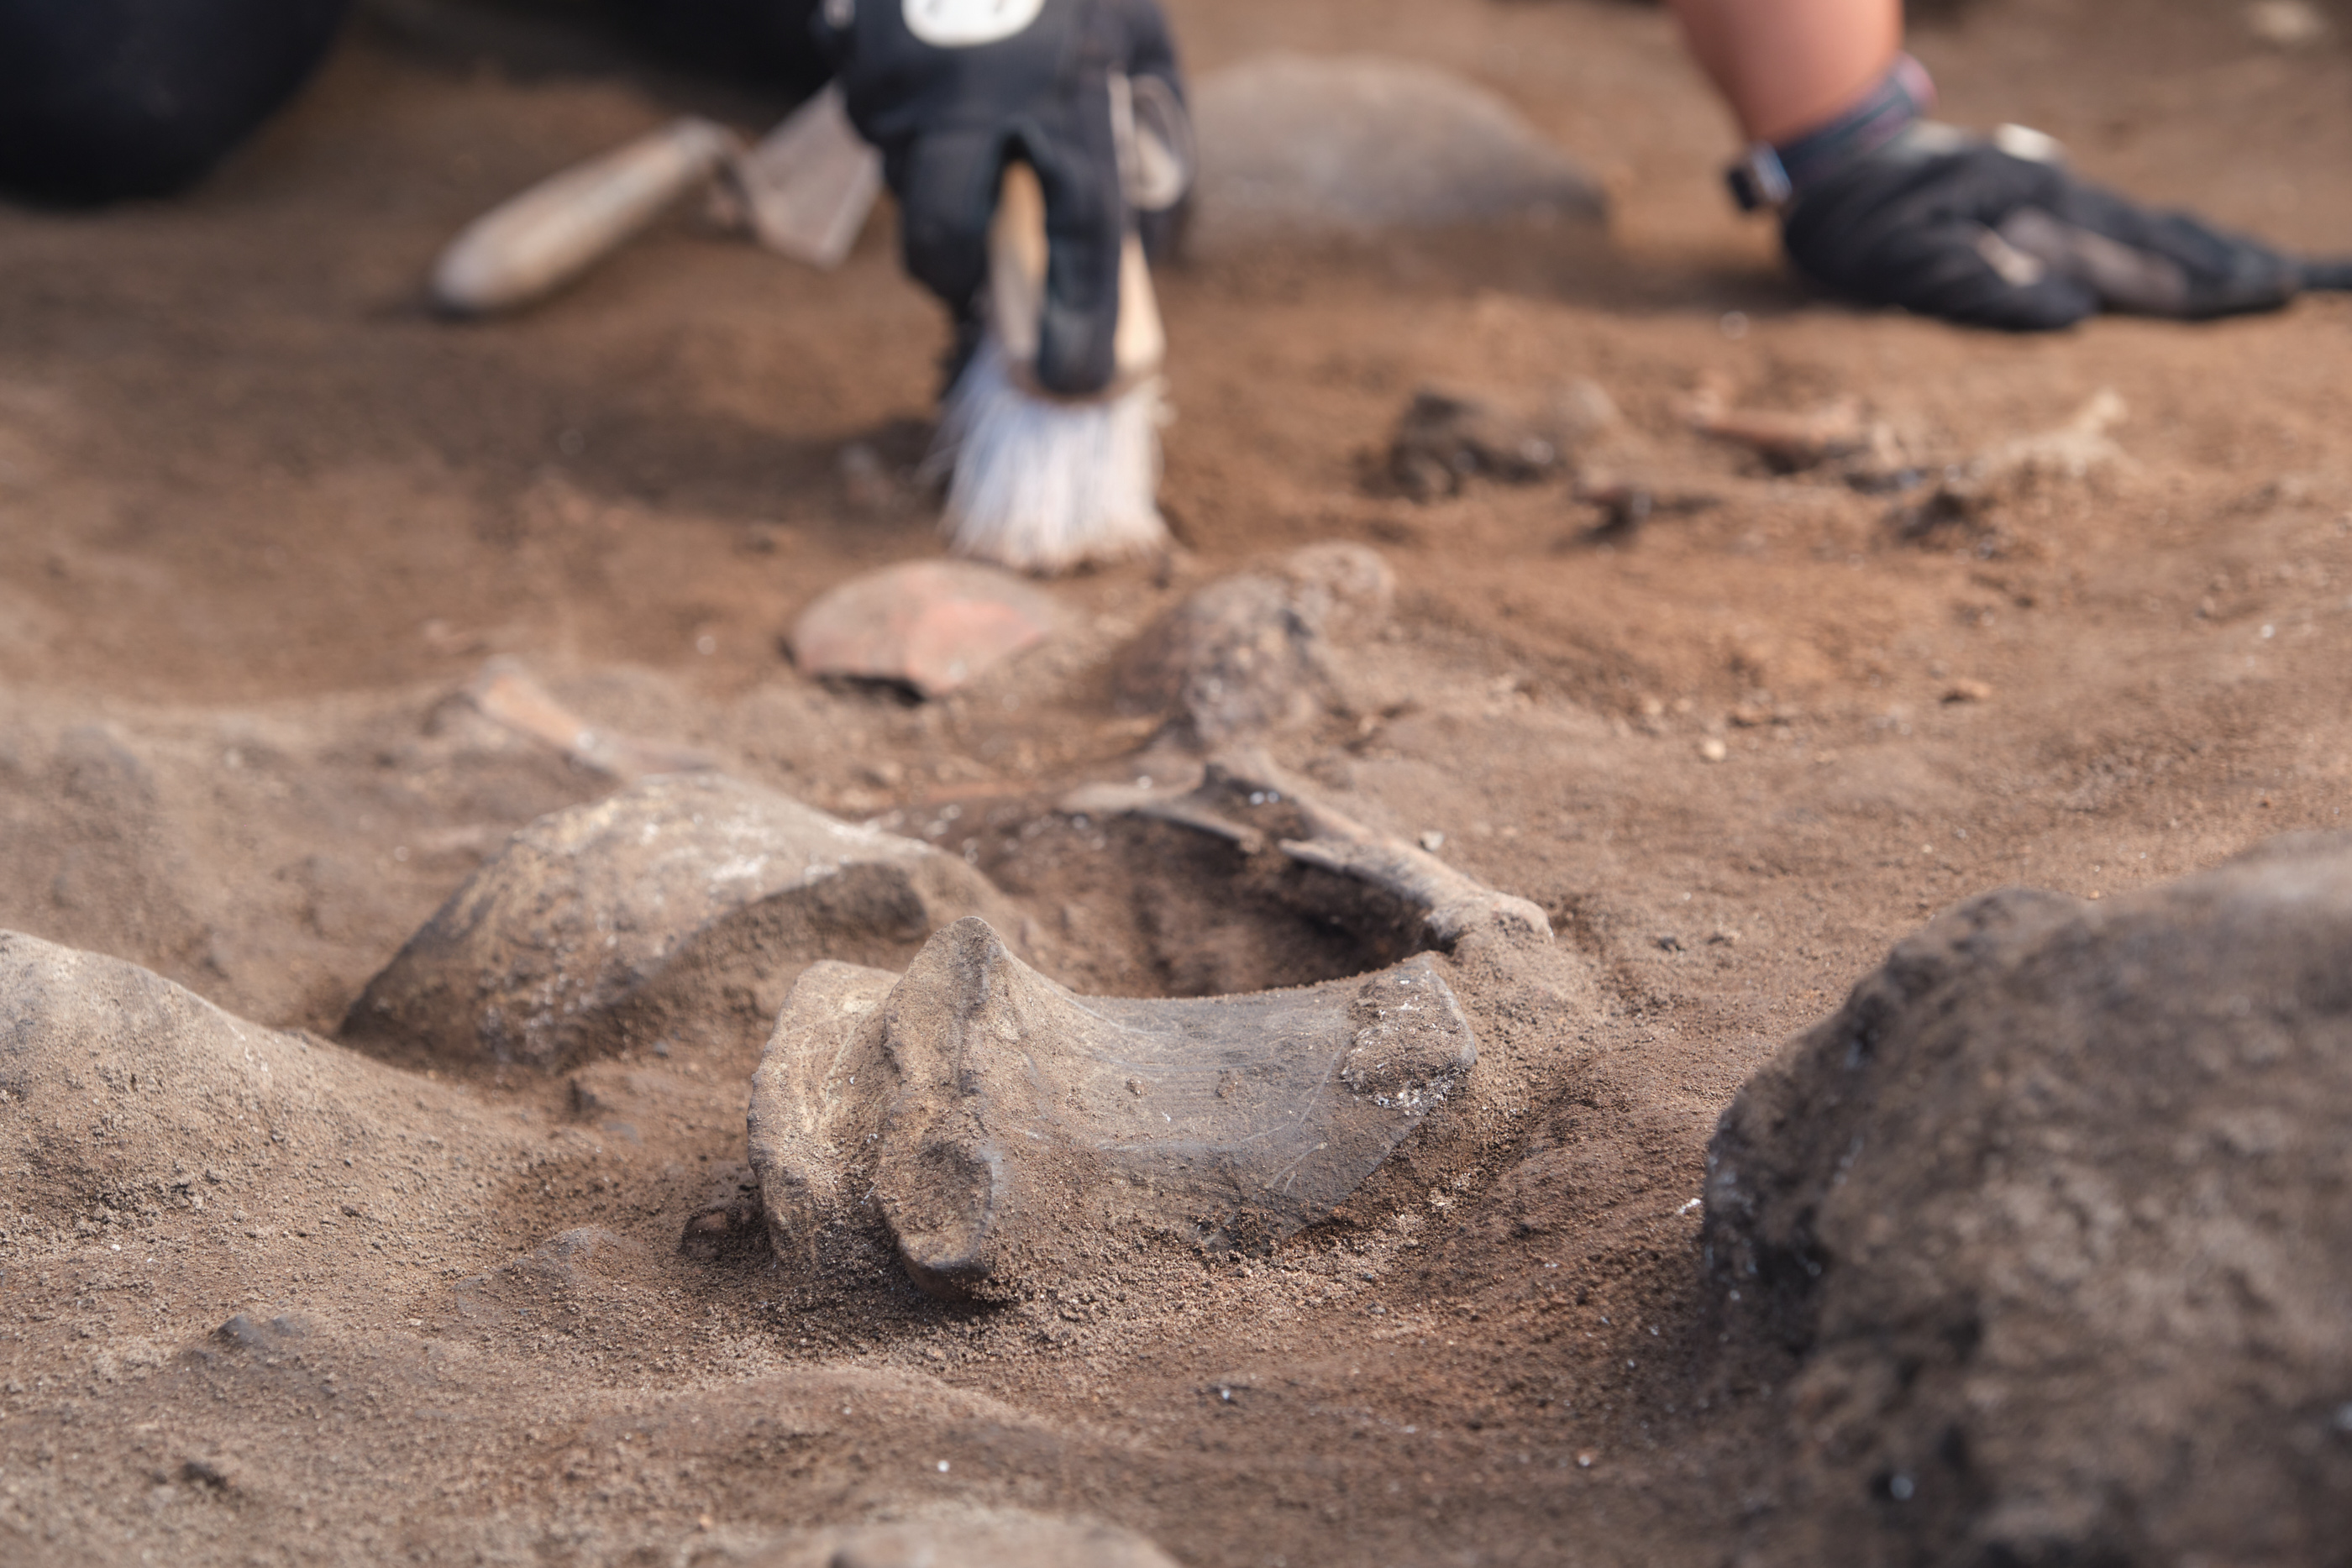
(962, 24)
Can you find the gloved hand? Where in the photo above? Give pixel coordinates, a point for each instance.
(951, 90)
(1954, 226)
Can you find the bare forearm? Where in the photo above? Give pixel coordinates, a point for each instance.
(1789, 66)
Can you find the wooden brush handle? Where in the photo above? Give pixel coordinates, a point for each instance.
(1017, 258)
(529, 247)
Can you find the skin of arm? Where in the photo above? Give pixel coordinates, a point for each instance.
(1787, 66)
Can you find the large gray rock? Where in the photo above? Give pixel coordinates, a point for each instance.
(677, 912)
(1358, 145)
(2057, 1215)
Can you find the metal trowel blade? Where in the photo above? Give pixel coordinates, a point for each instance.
(809, 184)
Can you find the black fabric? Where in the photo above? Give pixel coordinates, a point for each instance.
(2332, 276)
(949, 119)
(102, 99)
(1927, 233)
(765, 42)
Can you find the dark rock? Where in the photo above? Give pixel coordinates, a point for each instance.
(2056, 1214)
(677, 912)
(1257, 653)
(279, 1336)
(1445, 439)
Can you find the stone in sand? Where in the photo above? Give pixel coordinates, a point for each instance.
(2056, 1214)
(1445, 438)
(1001, 1121)
(1357, 145)
(1373, 878)
(677, 911)
(1261, 651)
(931, 625)
(118, 1086)
(971, 1538)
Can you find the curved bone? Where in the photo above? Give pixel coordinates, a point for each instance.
(1011, 1120)
(1245, 785)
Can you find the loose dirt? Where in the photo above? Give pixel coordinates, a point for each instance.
(263, 520)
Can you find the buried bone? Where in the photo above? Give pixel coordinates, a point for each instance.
(999, 1120)
(1244, 799)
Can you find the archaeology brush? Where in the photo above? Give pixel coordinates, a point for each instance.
(1042, 483)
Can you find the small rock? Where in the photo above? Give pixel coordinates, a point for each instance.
(1713, 749)
(2286, 24)
(1258, 651)
(1968, 692)
(1445, 438)
(209, 1471)
(1626, 502)
(969, 1537)
(1357, 145)
(868, 482)
(931, 626)
(569, 1273)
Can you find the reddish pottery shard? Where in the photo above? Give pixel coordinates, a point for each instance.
(932, 625)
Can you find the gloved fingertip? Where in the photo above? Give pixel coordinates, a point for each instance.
(1077, 357)
(2052, 305)
(2327, 277)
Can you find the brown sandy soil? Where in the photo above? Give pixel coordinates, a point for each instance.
(260, 516)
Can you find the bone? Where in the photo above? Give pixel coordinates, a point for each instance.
(1245, 799)
(817, 1101)
(1789, 442)
(1009, 1121)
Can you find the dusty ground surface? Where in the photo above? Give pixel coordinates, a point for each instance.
(261, 517)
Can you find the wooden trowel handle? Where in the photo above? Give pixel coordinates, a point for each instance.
(530, 247)
(1017, 257)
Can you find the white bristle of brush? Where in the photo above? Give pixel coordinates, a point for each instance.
(1043, 484)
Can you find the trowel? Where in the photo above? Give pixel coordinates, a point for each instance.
(804, 191)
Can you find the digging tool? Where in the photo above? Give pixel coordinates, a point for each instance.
(805, 191)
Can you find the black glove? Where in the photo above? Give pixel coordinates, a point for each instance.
(950, 96)
(1956, 227)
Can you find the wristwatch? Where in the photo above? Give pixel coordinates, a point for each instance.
(1760, 182)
